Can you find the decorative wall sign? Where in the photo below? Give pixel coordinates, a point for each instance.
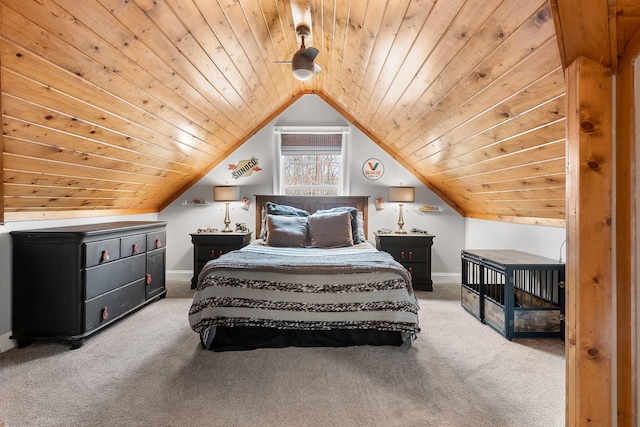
(244, 168)
(373, 169)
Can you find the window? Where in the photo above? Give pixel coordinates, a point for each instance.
(311, 162)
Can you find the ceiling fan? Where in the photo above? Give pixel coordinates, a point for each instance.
(302, 63)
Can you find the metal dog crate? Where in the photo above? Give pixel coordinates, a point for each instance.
(516, 293)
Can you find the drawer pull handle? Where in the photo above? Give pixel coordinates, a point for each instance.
(149, 280)
(105, 256)
(411, 271)
(402, 255)
(136, 249)
(220, 253)
(104, 313)
(410, 255)
(158, 243)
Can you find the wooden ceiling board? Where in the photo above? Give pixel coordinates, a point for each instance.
(462, 80)
(447, 30)
(114, 106)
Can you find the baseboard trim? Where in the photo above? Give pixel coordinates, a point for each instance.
(6, 343)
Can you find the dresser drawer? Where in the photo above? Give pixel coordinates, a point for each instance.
(155, 279)
(103, 278)
(101, 251)
(402, 254)
(110, 306)
(156, 240)
(133, 245)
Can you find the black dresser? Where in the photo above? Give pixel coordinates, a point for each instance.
(413, 251)
(208, 246)
(70, 282)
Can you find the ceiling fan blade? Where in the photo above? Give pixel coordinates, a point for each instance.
(316, 68)
(310, 53)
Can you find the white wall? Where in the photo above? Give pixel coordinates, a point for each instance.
(535, 239)
(6, 260)
(448, 226)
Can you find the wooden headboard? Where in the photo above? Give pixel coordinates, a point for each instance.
(312, 204)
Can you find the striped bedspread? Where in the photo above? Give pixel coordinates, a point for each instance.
(302, 288)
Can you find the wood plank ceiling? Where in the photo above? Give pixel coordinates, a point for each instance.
(117, 106)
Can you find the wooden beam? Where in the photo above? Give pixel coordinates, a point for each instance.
(583, 28)
(589, 345)
(626, 276)
(1, 137)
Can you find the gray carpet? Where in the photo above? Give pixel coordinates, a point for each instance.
(149, 370)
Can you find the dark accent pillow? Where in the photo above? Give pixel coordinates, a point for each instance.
(330, 230)
(276, 209)
(354, 220)
(287, 231)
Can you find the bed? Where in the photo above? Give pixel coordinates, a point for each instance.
(310, 278)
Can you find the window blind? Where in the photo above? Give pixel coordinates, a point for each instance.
(310, 144)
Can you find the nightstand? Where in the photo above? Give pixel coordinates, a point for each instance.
(413, 251)
(208, 246)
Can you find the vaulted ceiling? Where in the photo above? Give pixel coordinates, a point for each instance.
(118, 106)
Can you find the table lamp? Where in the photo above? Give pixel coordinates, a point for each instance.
(401, 195)
(226, 194)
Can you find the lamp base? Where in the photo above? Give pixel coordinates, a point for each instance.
(227, 221)
(400, 222)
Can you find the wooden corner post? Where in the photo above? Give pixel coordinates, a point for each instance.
(589, 313)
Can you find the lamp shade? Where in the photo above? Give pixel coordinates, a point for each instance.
(226, 193)
(402, 194)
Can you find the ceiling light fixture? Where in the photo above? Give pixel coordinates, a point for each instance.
(302, 63)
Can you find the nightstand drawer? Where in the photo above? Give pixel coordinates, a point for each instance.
(418, 270)
(207, 252)
(402, 254)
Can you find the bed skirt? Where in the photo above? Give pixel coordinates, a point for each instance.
(237, 338)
